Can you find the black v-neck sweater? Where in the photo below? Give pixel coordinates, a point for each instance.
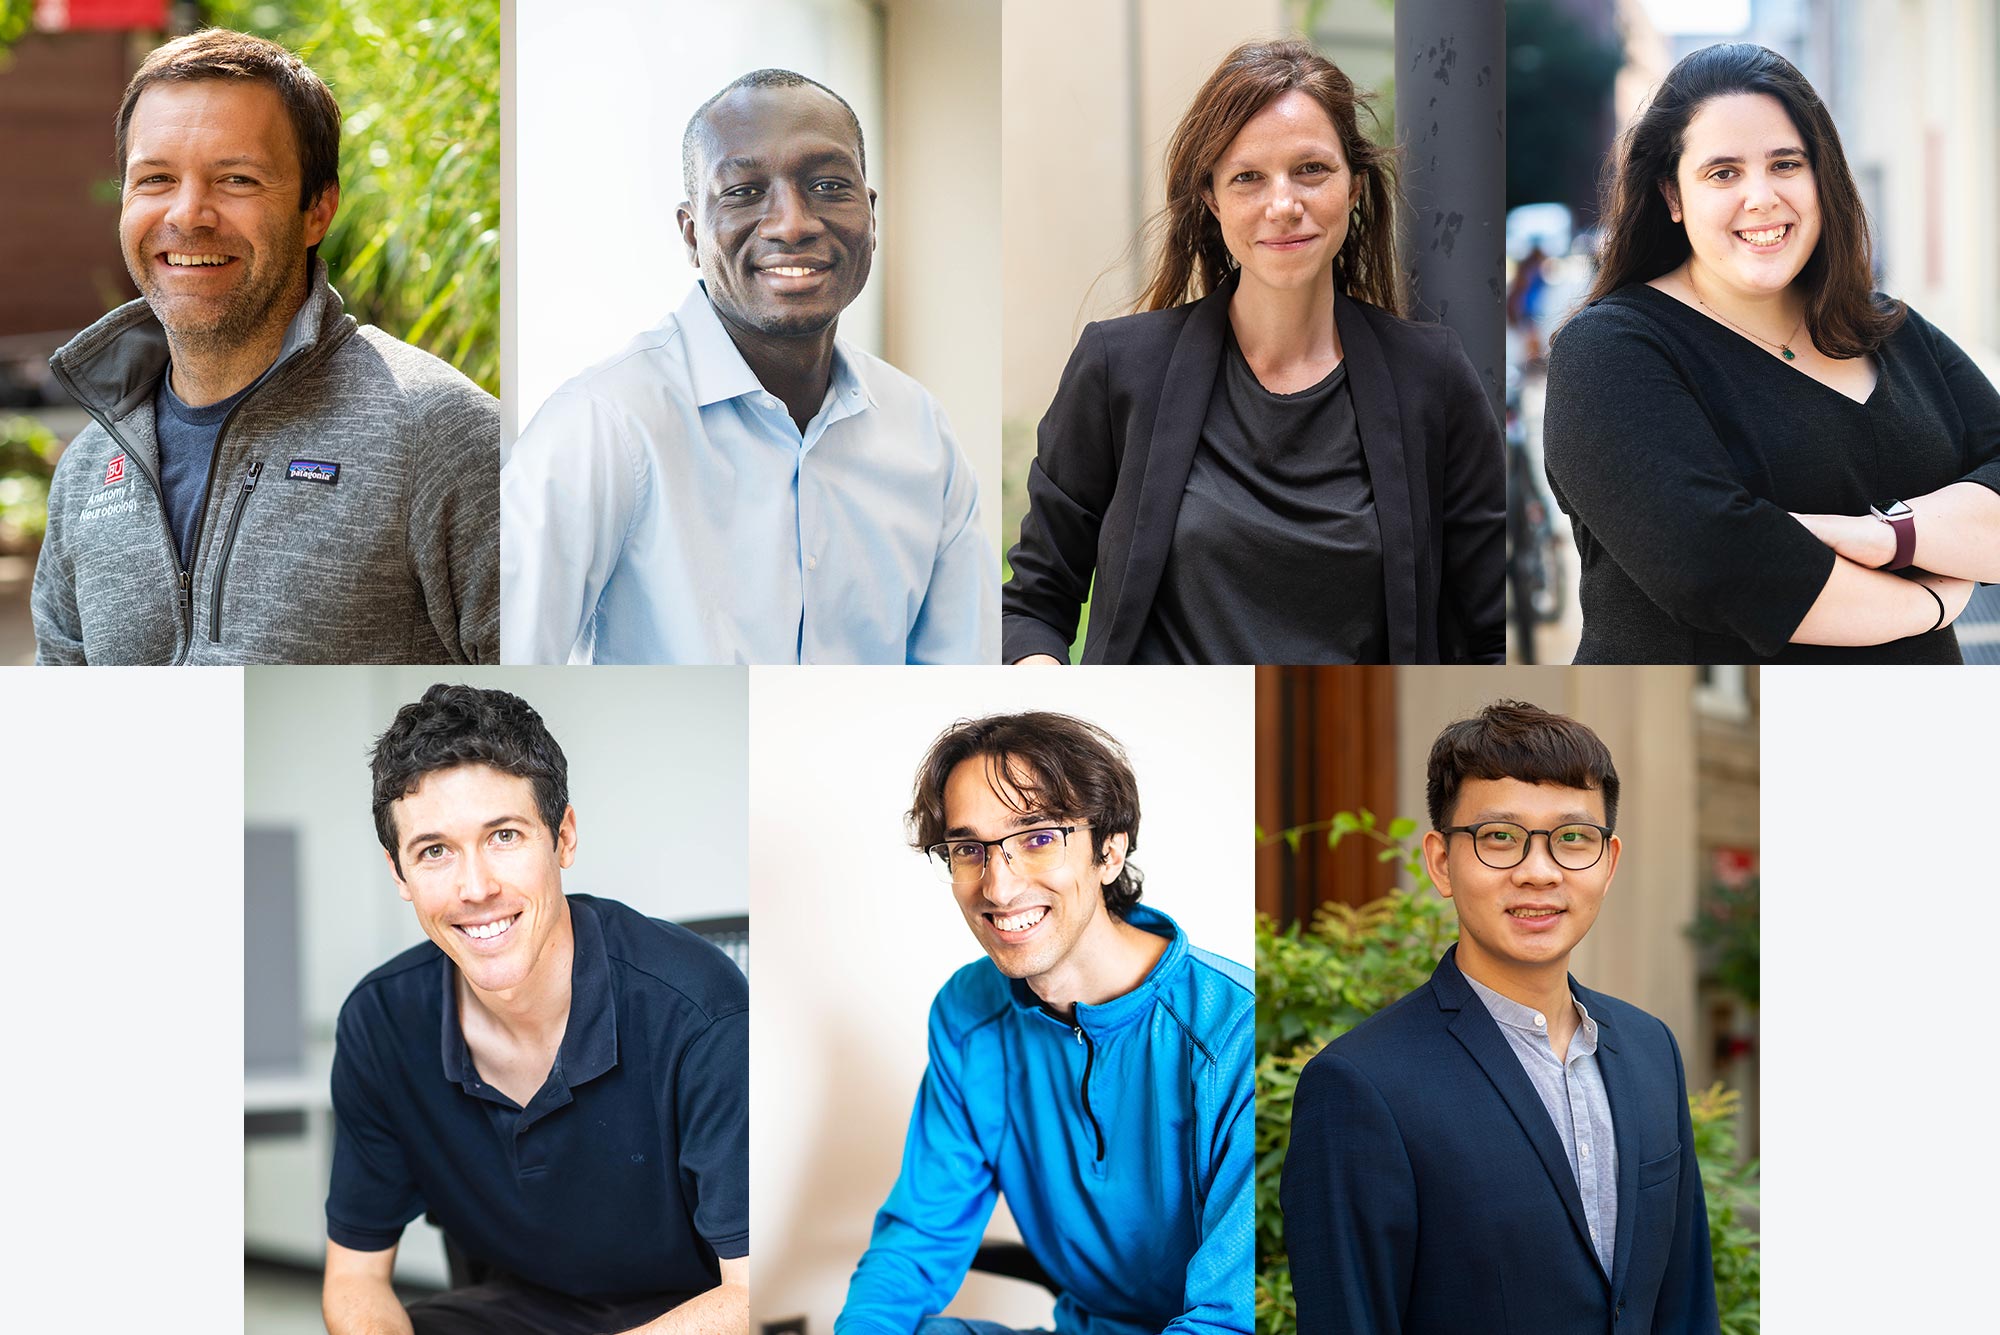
(1678, 446)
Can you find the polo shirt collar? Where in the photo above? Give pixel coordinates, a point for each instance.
(590, 1040)
(1105, 1017)
(718, 373)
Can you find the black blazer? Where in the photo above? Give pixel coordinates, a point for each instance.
(1426, 1191)
(1116, 446)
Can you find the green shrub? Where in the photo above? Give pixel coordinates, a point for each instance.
(28, 453)
(1731, 1189)
(1315, 983)
(415, 247)
(1726, 928)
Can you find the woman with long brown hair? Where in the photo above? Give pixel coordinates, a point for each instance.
(1763, 459)
(1267, 464)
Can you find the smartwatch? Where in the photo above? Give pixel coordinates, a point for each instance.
(1903, 522)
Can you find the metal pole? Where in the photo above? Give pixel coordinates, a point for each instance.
(1451, 100)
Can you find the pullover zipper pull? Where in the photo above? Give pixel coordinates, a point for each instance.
(1079, 1035)
(250, 476)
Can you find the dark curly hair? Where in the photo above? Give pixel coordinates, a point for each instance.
(457, 725)
(1046, 764)
(1510, 739)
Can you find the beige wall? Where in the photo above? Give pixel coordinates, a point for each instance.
(1093, 90)
(1637, 951)
(940, 217)
(1923, 111)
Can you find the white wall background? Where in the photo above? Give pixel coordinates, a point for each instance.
(855, 934)
(1878, 873)
(602, 91)
(599, 94)
(122, 869)
(657, 778)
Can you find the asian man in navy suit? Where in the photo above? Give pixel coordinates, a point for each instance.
(1503, 1151)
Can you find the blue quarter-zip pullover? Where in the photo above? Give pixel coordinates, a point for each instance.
(1122, 1140)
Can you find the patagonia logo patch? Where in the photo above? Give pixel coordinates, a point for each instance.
(312, 470)
(115, 471)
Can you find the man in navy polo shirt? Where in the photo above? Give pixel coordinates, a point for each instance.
(558, 1082)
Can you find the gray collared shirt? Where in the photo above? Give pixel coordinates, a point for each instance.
(1573, 1093)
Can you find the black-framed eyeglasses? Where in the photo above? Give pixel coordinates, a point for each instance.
(1503, 845)
(963, 861)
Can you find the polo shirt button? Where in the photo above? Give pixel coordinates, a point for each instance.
(812, 563)
(1584, 1150)
(1541, 1022)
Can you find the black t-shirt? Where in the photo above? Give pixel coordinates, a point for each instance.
(187, 448)
(626, 1175)
(1277, 557)
(1678, 446)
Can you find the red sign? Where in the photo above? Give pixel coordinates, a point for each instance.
(116, 472)
(116, 15)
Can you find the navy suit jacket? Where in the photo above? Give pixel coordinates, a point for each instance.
(1119, 441)
(1426, 1191)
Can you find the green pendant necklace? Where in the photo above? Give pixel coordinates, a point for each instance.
(1785, 347)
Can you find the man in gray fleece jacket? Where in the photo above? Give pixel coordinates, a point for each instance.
(265, 481)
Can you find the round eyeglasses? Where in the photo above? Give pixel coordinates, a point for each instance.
(963, 861)
(1503, 845)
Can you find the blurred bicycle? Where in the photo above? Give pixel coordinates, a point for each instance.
(1535, 583)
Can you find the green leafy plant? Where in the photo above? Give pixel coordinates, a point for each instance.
(1317, 981)
(28, 453)
(1732, 1192)
(1726, 928)
(16, 17)
(415, 247)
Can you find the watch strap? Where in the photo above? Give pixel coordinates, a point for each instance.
(1905, 529)
(1903, 524)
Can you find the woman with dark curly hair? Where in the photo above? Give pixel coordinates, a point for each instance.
(1268, 464)
(1764, 459)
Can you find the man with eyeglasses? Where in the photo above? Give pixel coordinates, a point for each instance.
(1503, 1149)
(1095, 1068)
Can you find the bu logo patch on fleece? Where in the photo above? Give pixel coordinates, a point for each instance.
(312, 470)
(115, 471)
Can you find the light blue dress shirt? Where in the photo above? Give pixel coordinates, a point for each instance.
(662, 507)
(1572, 1089)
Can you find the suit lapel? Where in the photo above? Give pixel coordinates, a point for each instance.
(1624, 1132)
(1476, 1029)
(1177, 423)
(1381, 426)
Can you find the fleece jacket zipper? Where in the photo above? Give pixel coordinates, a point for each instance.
(228, 546)
(1090, 1059)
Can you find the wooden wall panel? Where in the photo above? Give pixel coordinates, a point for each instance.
(1326, 743)
(59, 259)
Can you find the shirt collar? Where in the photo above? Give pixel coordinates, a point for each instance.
(590, 1040)
(1511, 1013)
(1106, 1016)
(718, 373)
